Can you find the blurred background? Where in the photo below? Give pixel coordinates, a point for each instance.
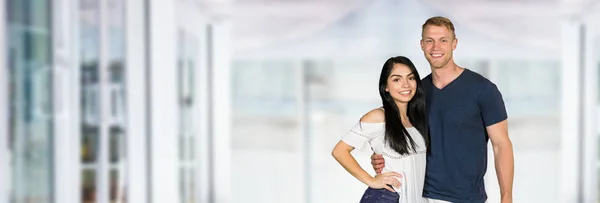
(218, 101)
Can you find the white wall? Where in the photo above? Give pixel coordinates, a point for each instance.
(65, 96)
(221, 105)
(137, 173)
(163, 102)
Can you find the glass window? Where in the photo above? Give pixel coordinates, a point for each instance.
(266, 129)
(543, 82)
(90, 97)
(90, 101)
(116, 85)
(186, 67)
(479, 66)
(263, 87)
(30, 89)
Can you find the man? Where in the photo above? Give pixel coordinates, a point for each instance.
(464, 111)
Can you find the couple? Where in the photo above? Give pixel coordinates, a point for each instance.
(430, 137)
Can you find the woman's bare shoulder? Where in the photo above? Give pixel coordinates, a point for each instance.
(374, 116)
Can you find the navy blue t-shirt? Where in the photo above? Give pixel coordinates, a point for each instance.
(458, 115)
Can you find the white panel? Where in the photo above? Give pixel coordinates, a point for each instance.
(302, 96)
(135, 73)
(163, 102)
(198, 29)
(202, 143)
(74, 98)
(590, 155)
(102, 171)
(221, 100)
(570, 111)
(592, 132)
(65, 95)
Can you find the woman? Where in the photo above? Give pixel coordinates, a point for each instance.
(399, 131)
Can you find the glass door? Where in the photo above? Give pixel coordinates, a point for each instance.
(103, 129)
(30, 95)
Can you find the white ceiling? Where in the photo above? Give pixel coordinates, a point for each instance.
(534, 23)
(262, 22)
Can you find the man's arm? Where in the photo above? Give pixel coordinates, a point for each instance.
(378, 162)
(503, 158)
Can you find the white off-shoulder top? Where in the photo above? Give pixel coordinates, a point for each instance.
(412, 166)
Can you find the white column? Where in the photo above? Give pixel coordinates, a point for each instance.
(136, 102)
(74, 104)
(590, 139)
(572, 119)
(102, 171)
(579, 100)
(202, 107)
(220, 68)
(4, 164)
(592, 106)
(302, 99)
(65, 98)
(163, 102)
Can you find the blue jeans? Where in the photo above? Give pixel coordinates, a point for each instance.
(379, 196)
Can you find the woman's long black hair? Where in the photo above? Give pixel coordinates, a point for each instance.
(396, 135)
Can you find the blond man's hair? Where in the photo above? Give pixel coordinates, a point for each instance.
(440, 21)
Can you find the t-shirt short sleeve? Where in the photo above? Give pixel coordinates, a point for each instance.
(361, 133)
(491, 104)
